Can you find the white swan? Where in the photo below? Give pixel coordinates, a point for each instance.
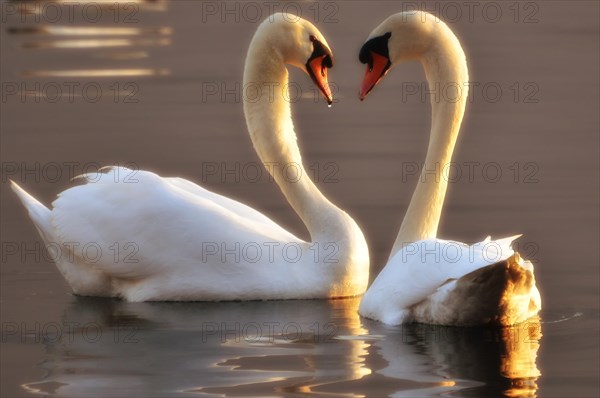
(167, 239)
(426, 279)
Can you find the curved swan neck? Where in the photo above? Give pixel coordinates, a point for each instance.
(269, 121)
(447, 76)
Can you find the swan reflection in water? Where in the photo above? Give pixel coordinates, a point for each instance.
(316, 347)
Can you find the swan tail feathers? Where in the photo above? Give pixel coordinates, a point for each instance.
(83, 280)
(508, 240)
(499, 249)
(39, 214)
(503, 293)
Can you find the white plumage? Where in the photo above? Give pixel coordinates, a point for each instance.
(170, 239)
(451, 283)
(427, 279)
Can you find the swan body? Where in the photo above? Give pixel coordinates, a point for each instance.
(446, 282)
(142, 237)
(428, 279)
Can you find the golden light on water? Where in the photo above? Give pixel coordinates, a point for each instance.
(449, 383)
(36, 7)
(95, 43)
(519, 361)
(98, 73)
(358, 350)
(89, 31)
(120, 56)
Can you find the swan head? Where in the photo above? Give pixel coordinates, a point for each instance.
(401, 37)
(299, 44)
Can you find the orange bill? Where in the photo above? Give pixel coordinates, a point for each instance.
(318, 73)
(375, 71)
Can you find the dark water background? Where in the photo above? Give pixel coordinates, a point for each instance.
(156, 112)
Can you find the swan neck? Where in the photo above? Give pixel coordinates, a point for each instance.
(447, 76)
(269, 121)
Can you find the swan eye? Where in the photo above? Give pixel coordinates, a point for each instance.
(370, 63)
(321, 51)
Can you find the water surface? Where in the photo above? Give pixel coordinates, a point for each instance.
(154, 66)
